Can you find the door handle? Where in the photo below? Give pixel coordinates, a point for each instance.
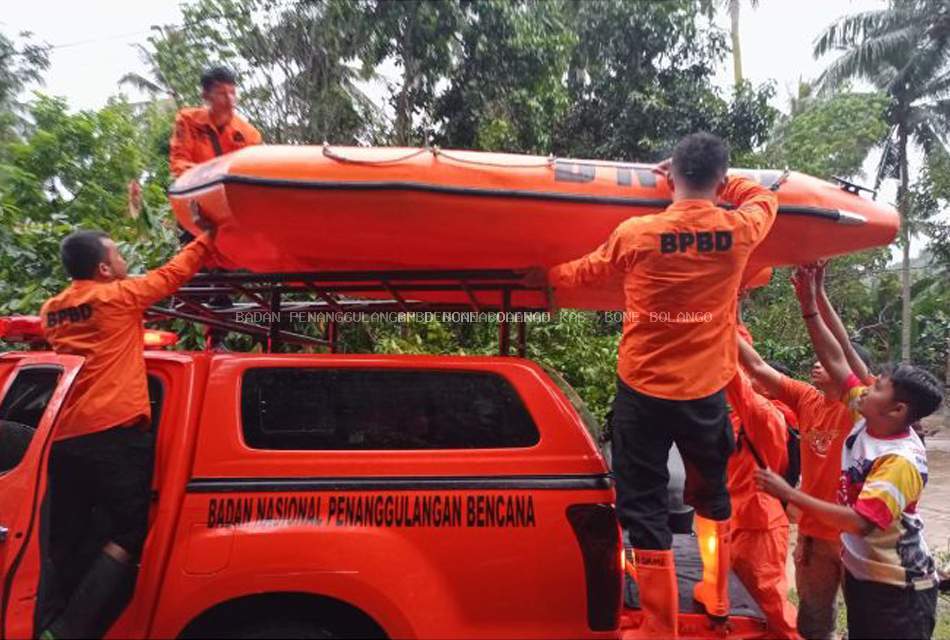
(4, 532)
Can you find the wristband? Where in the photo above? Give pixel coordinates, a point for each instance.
(810, 315)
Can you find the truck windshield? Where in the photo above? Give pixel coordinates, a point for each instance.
(593, 426)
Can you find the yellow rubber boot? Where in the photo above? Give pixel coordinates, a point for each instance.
(659, 596)
(714, 544)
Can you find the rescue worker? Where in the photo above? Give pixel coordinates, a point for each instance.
(681, 273)
(103, 428)
(759, 523)
(823, 422)
(202, 133)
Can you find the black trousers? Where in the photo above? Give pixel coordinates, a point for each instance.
(877, 610)
(108, 471)
(644, 428)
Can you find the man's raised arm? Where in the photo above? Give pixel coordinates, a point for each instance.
(759, 370)
(609, 259)
(836, 326)
(755, 204)
(829, 352)
(140, 293)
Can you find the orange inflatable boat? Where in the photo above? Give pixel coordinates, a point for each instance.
(311, 208)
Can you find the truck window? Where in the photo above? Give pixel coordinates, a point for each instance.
(361, 409)
(21, 411)
(593, 427)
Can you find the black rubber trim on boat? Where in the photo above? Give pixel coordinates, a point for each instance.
(320, 185)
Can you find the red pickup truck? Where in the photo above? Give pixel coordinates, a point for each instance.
(333, 496)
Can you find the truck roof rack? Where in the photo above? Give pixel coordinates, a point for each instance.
(268, 305)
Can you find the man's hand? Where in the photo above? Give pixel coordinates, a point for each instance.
(820, 274)
(199, 219)
(773, 484)
(803, 280)
(663, 168)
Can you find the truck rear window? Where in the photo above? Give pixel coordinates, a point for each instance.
(359, 409)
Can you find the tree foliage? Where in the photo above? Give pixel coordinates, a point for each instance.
(608, 79)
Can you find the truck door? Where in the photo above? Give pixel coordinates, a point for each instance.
(32, 392)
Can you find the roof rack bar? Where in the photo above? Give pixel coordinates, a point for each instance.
(327, 298)
(471, 295)
(243, 327)
(251, 295)
(504, 329)
(395, 294)
(273, 334)
(522, 342)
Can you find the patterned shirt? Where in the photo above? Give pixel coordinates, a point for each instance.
(882, 479)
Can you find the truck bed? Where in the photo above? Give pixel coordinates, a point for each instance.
(689, 570)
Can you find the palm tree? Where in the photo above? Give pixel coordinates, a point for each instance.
(734, 6)
(904, 51)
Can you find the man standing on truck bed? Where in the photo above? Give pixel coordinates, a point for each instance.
(682, 270)
(202, 133)
(103, 428)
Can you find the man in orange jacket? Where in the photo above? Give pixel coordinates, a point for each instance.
(824, 422)
(202, 133)
(681, 274)
(103, 428)
(759, 523)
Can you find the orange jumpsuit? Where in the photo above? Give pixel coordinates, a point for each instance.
(102, 321)
(195, 139)
(759, 524)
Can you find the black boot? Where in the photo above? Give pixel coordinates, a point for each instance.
(96, 603)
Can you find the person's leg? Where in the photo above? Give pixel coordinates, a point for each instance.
(640, 449)
(758, 558)
(122, 458)
(877, 610)
(703, 434)
(817, 578)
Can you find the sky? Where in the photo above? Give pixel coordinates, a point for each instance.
(94, 40)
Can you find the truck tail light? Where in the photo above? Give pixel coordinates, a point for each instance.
(598, 535)
(155, 339)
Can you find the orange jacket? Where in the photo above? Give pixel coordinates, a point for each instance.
(102, 321)
(682, 269)
(193, 140)
(764, 426)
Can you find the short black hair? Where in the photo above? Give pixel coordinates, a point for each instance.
(916, 387)
(214, 75)
(82, 251)
(781, 368)
(701, 160)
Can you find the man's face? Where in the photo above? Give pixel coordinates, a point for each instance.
(221, 98)
(878, 402)
(819, 377)
(114, 266)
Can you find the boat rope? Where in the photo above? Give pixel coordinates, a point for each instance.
(548, 162)
(330, 153)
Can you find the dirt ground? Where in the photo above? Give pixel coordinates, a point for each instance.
(935, 506)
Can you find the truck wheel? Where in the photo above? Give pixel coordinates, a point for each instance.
(292, 629)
